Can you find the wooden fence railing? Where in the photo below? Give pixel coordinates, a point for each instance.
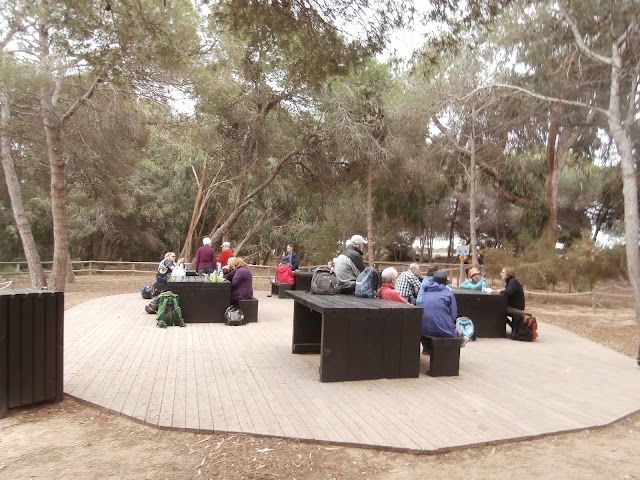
(100, 267)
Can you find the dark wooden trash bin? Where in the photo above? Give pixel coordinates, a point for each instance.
(444, 356)
(31, 347)
(249, 308)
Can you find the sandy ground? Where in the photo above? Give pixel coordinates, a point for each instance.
(74, 440)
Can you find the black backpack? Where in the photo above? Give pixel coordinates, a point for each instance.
(324, 281)
(147, 292)
(524, 327)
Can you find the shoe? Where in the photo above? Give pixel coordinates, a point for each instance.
(268, 295)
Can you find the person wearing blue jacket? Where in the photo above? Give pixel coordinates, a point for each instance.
(431, 269)
(440, 309)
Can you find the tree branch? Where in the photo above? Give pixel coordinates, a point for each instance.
(578, 37)
(447, 133)
(83, 99)
(633, 93)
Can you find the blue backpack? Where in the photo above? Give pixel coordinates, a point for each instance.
(465, 326)
(368, 283)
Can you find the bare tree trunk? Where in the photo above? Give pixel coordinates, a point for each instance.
(53, 134)
(551, 223)
(473, 240)
(36, 273)
(71, 277)
(371, 244)
(243, 201)
(452, 225)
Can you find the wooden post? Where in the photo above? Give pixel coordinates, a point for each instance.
(594, 303)
(90, 268)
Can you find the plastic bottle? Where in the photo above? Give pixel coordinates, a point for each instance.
(484, 286)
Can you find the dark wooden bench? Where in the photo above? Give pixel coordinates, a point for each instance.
(201, 301)
(31, 347)
(488, 311)
(444, 356)
(357, 338)
(280, 289)
(249, 308)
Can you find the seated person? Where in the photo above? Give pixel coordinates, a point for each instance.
(431, 269)
(167, 266)
(408, 283)
(242, 281)
(475, 280)
(284, 274)
(228, 275)
(440, 309)
(205, 261)
(349, 264)
(387, 290)
(514, 292)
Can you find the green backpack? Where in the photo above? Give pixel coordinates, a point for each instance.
(169, 312)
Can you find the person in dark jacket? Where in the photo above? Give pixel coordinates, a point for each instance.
(349, 265)
(292, 257)
(242, 282)
(514, 292)
(205, 261)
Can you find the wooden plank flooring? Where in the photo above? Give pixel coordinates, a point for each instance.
(214, 378)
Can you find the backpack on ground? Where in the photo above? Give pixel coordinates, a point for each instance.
(464, 325)
(524, 328)
(169, 311)
(152, 307)
(368, 283)
(324, 281)
(148, 292)
(233, 316)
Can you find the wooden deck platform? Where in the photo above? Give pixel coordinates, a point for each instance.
(214, 378)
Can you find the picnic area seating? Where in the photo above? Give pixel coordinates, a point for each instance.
(280, 289)
(444, 356)
(249, 308)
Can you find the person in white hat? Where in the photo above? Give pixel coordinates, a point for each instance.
(205, 261)
(349, 265)
(225, 255)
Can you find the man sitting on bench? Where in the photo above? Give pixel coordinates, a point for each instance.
(440, 310)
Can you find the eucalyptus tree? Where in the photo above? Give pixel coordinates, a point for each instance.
(605, 38)
(75, 48)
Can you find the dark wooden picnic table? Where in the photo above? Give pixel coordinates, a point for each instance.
(31, 347)
(357, 338)
(488, 311)
(201, 300)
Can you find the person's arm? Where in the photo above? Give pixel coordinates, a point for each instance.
(294, 261)
(454, 307)
(466, 284)
(358, 263)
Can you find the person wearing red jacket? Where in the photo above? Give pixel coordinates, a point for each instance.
(284, 274)
(388, 290)
(225, 255)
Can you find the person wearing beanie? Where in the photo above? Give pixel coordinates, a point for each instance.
(440, 309)
(205, 261)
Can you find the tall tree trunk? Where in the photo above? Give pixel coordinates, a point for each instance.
(195, 217)
(621, 132)
(551, 223)
(36, 273)
(454, 217)
(371, 244)
(473, 240)
(53, 134)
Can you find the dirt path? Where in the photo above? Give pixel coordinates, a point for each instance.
(73, 440)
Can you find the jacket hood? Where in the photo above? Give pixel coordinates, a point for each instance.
(434, 287)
